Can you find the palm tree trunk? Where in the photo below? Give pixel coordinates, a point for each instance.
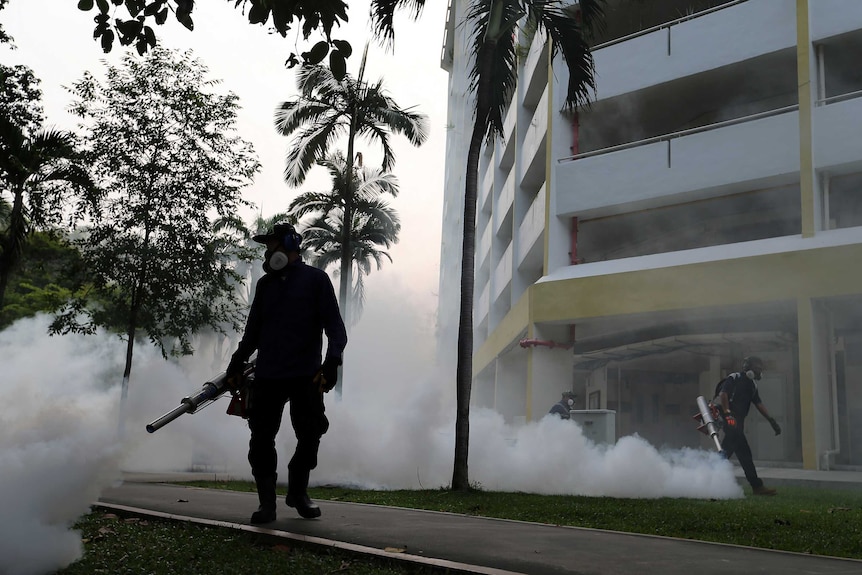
(346, 229)
(464, 381)
(14, 241)
(344, 284)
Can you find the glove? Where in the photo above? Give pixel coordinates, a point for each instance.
(327, 376)
(730, 420)
(775, 427)
(234, 372)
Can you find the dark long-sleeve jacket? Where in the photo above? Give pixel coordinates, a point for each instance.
(741, 393)
(291, 311)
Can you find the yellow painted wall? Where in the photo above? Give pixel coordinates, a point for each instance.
(774, 277)
(814, 273)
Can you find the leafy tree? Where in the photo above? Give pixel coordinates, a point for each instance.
(307, 16)
(165, 149)
(374, 223)
(51, 272)
(4, 37)
(327, 109)
(37, 173)
(20, 98)
(493, 74)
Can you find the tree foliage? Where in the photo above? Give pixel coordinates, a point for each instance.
(165, 149)
(51, 273)
(329, 109)
(20, 98)
(42, 175)
(4, 37)
(374, 224)
(128, 21)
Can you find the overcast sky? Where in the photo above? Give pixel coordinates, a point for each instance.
(55, 39)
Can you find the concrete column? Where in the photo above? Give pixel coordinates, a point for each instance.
(815, 383)
(806, 66)
(511, 388)
(549, 372)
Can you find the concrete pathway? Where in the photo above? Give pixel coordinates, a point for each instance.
(477, 545)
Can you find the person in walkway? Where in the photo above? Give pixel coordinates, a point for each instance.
(736, 394)
(293, 306)
(562, 407)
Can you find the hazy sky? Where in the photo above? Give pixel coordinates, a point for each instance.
(55, 39)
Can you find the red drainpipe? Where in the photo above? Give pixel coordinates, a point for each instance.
(576, 146)
(544, 342)
(573, 251)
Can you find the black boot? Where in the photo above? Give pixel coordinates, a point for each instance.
(266, 495)
(297, 496)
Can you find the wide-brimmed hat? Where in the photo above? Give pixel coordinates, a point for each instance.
(278, 232)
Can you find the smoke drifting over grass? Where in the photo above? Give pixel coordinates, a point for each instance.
(58, 444)
(394, 428)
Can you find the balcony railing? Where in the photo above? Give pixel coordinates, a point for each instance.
(839, 98)
(667, 25)
(682, 133)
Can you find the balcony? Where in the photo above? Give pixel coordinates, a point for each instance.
(486, 184)
(535, 74)
(483, 249)
(507, 157)
(841, 16)
(697, 43)
(531, 231)
(838, 130)
(533, 151)
(503, 208)
(761, 149)
(481, 308)
(503, 273)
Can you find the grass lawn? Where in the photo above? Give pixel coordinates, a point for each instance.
(116, 545)
(804, 520)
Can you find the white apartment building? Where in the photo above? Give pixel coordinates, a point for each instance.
(707, 206)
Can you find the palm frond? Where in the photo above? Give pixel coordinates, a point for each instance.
(383, 16)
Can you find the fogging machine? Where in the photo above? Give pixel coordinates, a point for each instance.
(209, 392)
(709, 417)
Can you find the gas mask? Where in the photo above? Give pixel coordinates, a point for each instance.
(274, 260)
(570, 402)
(753, 374)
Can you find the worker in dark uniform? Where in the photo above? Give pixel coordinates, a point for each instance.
(736, 394)
(566, 404)
(293, 306)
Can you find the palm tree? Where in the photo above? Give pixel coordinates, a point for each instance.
(493, 75)
(374, 224)
(29, 166)
(327, 109)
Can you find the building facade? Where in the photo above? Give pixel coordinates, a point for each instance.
(705, 207)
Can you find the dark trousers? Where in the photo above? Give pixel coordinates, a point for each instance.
(266, 406)
(735, 442)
